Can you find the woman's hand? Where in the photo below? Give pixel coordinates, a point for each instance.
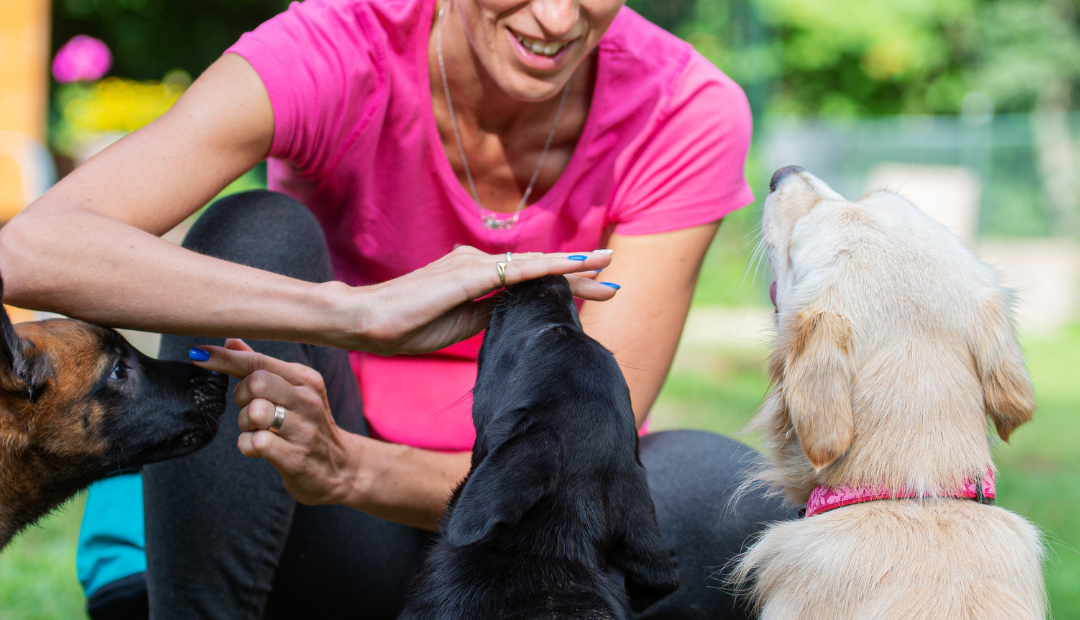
(444, 302)
(319, 462)
(313, 455)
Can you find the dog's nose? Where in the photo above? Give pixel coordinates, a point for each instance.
(780, 174)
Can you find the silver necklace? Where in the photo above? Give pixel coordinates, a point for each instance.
(488, 219)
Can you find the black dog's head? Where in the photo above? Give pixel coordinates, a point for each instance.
(526, 332)
(78, 402)
(556, 488)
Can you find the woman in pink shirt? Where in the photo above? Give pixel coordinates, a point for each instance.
(407, 128)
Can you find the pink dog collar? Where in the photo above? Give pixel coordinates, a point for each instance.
(824, 499)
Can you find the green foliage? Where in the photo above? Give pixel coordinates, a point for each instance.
(150, 37)
(1028, 53)
(860, 57)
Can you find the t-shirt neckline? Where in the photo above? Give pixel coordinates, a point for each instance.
(463, 202)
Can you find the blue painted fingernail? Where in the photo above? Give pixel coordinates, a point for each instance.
(599, 270)
(612, 285)
(577, 257)
(199, 355)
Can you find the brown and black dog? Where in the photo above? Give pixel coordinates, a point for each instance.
(78, 402)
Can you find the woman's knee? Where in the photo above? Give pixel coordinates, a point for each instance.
(266, 230)
(696, 477)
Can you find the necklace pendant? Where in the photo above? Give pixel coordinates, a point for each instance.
(492, 223)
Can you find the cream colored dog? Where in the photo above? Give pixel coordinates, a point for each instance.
(894, 344)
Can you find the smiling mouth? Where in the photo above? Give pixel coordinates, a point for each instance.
(541, 48)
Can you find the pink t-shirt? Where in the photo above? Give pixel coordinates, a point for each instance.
(355, 140)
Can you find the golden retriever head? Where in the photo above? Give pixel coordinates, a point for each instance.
(893, 345)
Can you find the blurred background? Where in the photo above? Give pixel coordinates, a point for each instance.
(965, 106)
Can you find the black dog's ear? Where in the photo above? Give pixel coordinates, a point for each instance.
(504, 486)
(640, 551)
(11, 349)
(17, 370)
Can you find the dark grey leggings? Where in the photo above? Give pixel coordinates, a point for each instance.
(224, 540)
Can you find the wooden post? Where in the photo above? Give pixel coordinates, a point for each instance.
(24, 91)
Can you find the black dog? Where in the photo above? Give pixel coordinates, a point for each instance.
(78, 402)
(555, 519)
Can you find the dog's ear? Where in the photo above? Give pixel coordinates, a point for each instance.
(18, 371)
(639, 550)
(1006, 387)
(817, 376)
(504, 486)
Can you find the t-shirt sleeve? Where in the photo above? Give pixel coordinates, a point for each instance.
(688, 168)
(320, 67)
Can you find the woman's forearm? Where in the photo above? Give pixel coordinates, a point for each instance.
(404, 484)
(86, 265)
(642, 326)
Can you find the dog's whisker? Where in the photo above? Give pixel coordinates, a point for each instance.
(759, 249)
(755, 238)
(463, 398)
(762, 266)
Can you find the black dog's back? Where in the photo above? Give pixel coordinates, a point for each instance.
(555, 519)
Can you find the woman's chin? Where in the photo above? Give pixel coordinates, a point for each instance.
(518, 83)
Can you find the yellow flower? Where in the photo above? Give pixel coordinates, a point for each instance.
(120, 105)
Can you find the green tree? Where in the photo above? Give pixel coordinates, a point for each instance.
(150, 37)
(859, 57)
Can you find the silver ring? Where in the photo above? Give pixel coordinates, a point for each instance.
(509, 256)
(279, 418)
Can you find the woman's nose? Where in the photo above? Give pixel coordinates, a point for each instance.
(556, 17)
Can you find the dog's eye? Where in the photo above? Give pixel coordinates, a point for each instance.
(119, 371)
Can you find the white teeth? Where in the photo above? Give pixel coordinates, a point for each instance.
(539, 47)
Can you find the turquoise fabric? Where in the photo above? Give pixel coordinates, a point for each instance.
(112, 542)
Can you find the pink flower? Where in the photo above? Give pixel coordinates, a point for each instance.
(82, 58)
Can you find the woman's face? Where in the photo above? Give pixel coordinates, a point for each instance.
(531, 47)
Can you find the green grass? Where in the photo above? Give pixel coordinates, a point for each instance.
(37, 570)
(719, 390)
(1040, 468)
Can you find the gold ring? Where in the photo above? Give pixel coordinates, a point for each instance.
(279, 418)
(502, 272)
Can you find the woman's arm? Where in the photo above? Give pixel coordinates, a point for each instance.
(642, 326)
(321, 464)
(88, 247)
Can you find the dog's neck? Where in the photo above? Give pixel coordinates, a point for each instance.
(901, 413)
(823, 499)
(923, 425)
(30, 491)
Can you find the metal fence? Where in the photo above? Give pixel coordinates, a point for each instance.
(1024, 162)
